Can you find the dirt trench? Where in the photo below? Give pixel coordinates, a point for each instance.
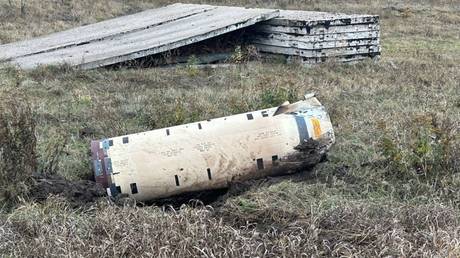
(77, 193)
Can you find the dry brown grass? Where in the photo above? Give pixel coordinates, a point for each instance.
(325, 228)
(18, 159)
(370, 199)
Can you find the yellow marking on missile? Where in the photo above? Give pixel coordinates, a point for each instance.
(316, 127)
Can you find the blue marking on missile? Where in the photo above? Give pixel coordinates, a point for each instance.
(105, 144)
(302, 128)
(114, 190)
(97, 167)
(108, 165)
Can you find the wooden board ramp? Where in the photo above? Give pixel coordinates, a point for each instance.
(317, 37)
(133, 36)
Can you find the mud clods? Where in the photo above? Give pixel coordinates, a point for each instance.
(77, 193)
(311, 152)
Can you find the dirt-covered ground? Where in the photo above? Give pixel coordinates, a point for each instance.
(390, 186)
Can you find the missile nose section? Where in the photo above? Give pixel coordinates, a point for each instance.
(212, 154)
(312, 119)
(319, 118)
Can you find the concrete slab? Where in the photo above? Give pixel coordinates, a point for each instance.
(309, 18)
(101, 30)
(197, 24)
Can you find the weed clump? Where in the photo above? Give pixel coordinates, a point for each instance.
(276, 96)
(427, 150)
(192, 68)
(244, 54)
(18, 159)
(51, 154)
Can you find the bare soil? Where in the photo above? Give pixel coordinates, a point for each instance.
(78, 193)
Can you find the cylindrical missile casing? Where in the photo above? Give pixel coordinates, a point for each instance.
(211, 154)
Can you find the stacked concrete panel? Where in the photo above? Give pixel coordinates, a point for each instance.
(315, 37)
(310, 37)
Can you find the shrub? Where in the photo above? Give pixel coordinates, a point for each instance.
(277, 95)
(427, 148)
(192, 69)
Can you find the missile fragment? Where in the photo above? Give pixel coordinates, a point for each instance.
(212, 154)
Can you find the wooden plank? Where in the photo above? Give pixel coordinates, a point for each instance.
(307, 18)
(322, 37)
(319, 52)
(101, 30)
(317, 30)
(153, 40)
(315, 45)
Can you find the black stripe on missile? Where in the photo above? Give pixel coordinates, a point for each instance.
(260, 164)
(125, 140)
(209, 174)
(167, 132)
(199, 126)
(133, 187)
(177, 180)
(250, 117)
(275, 160)
(302, 128)
(115, 190)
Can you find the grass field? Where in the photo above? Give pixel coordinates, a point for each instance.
(390, 187)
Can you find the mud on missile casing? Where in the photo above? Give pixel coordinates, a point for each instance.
(212, 154)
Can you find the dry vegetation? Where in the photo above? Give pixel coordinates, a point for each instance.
(391, 186)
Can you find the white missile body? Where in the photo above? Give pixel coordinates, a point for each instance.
(211, 154)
